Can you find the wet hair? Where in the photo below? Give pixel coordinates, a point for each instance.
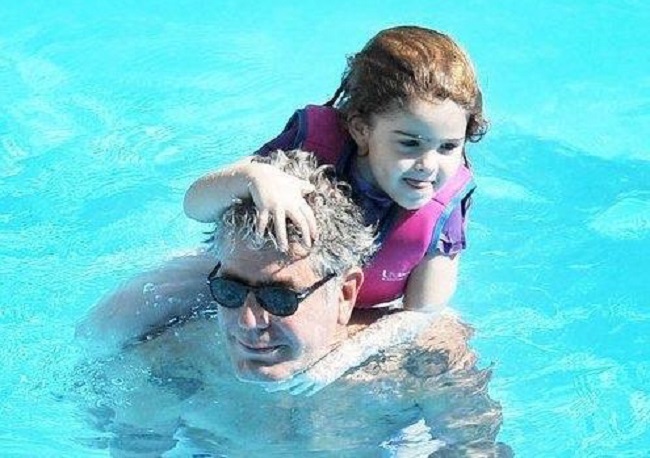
(344, 240)
(404, 63)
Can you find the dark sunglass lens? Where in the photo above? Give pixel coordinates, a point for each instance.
(278, 301)
(228, 293)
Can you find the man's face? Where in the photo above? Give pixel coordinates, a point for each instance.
(264, 347)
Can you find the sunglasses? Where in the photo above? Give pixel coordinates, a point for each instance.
(277, 300)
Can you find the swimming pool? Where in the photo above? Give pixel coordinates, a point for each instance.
(111, 109)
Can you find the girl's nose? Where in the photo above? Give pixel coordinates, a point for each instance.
(252, 315)
(428, 163)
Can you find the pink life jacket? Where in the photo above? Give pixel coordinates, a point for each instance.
(412, 233)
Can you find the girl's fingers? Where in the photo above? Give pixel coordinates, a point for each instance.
(311, 221)
(300, 220)
(307, 188)
(299, 389)
(313, 390)
(279, 220)
(262, 221)
(273, 387)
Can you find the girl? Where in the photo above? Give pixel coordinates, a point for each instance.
(396, 130)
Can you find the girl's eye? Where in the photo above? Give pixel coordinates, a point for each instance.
(410, 143)
(448, 147)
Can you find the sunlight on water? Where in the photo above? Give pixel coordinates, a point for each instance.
(110, 113)
(627, 219)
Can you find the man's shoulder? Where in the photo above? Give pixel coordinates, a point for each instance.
(189, 348)
(441, 348)
(174, 365)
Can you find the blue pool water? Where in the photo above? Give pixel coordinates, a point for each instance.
(110, 109)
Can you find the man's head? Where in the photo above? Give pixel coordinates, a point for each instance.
(265, 346)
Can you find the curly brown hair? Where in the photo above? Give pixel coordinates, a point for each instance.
(403, 63)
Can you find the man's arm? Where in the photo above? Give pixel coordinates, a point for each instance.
(438, 375)
(120, 397)
(147, 302)
(452, 391)
(129, 441)
(138, 418)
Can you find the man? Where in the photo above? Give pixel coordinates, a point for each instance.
(207, 384)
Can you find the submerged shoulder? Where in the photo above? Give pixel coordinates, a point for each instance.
(442, 348)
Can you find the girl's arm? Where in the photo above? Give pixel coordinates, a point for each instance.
(212, 193)
(277, 196)
(432, 283)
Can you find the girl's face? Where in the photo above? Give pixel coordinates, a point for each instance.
(413, 152)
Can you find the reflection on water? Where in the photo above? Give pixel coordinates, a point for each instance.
(176, 392)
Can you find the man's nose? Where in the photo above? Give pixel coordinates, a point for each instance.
(252, 315)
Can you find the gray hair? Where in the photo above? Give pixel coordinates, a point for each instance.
(344, 240)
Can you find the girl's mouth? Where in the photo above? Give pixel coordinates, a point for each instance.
(418, 184)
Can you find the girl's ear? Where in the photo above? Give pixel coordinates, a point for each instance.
(360, 132)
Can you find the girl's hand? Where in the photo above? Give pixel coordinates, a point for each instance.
(281, 196)
(315, 378)
(306, 383)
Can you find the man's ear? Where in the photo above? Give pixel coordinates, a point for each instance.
(360, 133)
(351, 282)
